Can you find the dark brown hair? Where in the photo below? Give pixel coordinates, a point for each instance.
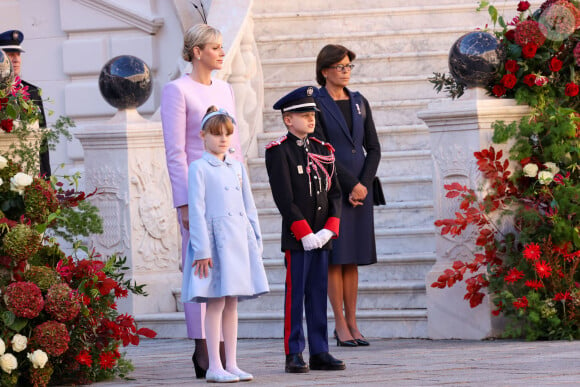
(215, 124)
(329, 55)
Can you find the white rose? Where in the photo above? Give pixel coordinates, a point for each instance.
(19, 343)
(3, 162)
(545, 177)
(8, 363)
(38, 358)
(531, 170)
(20, 181)
(2, 347)
(552, 167)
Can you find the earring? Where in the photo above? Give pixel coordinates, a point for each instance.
(199, 58)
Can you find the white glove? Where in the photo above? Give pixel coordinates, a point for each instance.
(310, 242)
(324, 236)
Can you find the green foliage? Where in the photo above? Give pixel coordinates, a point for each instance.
(448, 84)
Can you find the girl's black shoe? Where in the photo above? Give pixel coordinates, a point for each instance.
(346, 343)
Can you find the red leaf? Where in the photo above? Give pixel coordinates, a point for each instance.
(149, 333)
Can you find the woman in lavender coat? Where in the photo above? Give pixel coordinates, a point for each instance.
(183, 104)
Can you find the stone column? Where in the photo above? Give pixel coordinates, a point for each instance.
(125, 162)
(457, 130)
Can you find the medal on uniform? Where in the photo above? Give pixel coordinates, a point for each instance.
(299, 142)
(300, 170)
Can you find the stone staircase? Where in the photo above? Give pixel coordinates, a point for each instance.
(399, 44)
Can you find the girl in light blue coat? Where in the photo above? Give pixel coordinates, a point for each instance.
(224, 257)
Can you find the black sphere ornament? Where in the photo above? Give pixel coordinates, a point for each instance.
(125, 82)
(6, 72)
(475, 58)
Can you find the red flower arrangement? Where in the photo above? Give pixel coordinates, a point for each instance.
(530, 31)
(531, 268)
(24, 299)
(61, 303)
(52, 337)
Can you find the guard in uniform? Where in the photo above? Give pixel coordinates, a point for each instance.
(305, 188)
(10, 43)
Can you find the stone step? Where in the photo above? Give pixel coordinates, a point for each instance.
(380, 296)
(389, 241)
(391, 215)
(399, 323)
(387, 64)
(396, 189)
(392, 138)
(404, 162)
(388, 267)
(394, 88)
(401, 114)
(267, 6)
(391, 267)
(348, 20)
(362, 42)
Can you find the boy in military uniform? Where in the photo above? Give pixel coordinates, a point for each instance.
(10, 43)
(306, 191)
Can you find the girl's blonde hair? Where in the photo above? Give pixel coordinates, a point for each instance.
(198, 36)
(215, 124)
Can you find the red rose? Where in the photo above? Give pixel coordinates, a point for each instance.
(509, 81)
(498, 90)
(510, 35)
(7, 125)
(571, 89)
(555, 65)
(530, 79)
(529, 50)
(523, 6)
(511, 66)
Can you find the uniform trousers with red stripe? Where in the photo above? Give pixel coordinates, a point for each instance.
(306, 289)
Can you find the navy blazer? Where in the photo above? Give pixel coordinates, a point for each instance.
(357, 154)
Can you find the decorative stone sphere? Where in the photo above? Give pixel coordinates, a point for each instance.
(125, 82)
(6, 72)
(475, 58)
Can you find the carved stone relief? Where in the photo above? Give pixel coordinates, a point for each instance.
(153, 229)
(112, 204)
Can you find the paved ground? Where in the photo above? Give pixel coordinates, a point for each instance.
(167, 362)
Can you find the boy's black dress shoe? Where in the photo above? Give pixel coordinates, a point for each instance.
(295, 364)
(326, 362)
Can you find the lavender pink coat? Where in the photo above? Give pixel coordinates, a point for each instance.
(183, 105)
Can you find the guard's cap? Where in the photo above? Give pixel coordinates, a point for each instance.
(299, 100)
(10, 41)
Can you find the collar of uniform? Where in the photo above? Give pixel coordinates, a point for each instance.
(297, 140)
(214, 161)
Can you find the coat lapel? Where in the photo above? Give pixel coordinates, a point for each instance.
(328, 104)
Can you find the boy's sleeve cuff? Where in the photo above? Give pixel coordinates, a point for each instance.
(333, 224)
(300, 229)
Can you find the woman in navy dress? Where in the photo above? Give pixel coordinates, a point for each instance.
(346, 122)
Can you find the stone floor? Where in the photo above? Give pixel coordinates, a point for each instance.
(167, 362)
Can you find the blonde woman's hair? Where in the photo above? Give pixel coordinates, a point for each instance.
(198, 36)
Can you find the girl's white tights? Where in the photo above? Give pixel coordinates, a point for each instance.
(221, 315)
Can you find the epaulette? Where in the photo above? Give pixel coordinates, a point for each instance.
(277, 142)
(326, 144)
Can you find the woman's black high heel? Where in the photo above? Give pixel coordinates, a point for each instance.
(346, 343)
(199, 372)
(362, 342)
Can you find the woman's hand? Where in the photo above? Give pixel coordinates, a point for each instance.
(184, 212)
(358, 195)
(202, 267)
